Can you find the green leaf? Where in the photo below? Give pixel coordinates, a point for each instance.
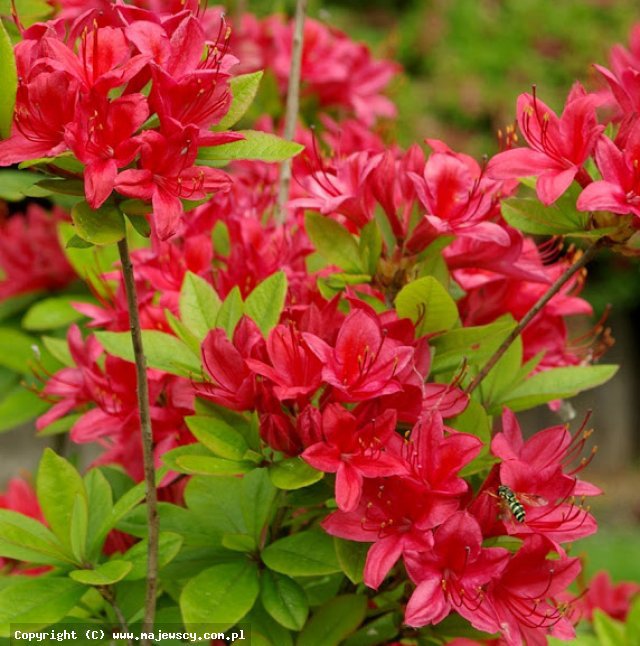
(307, 553)
(473, 345)
(29, 11)
(370, 247)
(351, 556)
(163, 351)
(501, 378)
(100, 506)
(218, 437)
(37, 601)
(208, 466)
(16, 350)
(220, 596)
(170, 458)
(426, 302)
(239, 542)
(243, 89)
(8, 82)
(334, 242)
(169, 544)
(78, 528)
(293, 473)
(284, 600)
(381, 630)
(334, 621)
(140, 223)
(633, 622)
(265, 303)
(18, 406)
(609, 631)
(557, 383)
(98, 226)
(52, 313)
(106, 574)
(531, 216)
(183, 333)
(256, 503)
(230, 312)
(63, 186)
(59, 350)
(136, 208)
(256, 145)
(199, 305)
(62, 425)
(58, 484)
(16, 185)
(15, 304)
(25, 539)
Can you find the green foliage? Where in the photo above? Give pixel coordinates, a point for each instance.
(293, 473)
(256, 145)
(8, 82)
(334, 621)
(284, 599)
(307, 553)
(266, 302)
(105, 574)
(243, 89)
(335, 243)
(98, 226)
(199, 305)
(52, 313)
(426, 302)
(16, 185)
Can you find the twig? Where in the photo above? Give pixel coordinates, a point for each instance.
(531, 314)
(293, 104)
(107, 594)
(147, 435)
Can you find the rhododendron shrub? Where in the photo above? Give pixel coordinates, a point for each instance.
(332, 390)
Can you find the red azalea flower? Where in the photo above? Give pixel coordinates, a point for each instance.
(619, 189)
(521, 604)
(354, 449)
(167, 174)
(558, 146)
(453, 575)
(365, 362)
(101, 137)
(614, 599)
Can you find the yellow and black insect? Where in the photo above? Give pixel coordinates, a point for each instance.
(515, 506)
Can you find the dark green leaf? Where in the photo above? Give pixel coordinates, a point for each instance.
(105, 574)
(293, 473)
(334, 242)
(426, 302)
(351, 556)
(256, 145)
(140, 223)
(370, 247)
(76, 242)
(243, 89)
(284, 600)
(258, 495)
(265, 303)
(99, 226)
(63, 186)
(382, 630)
(307, 553)
(334, 621)
(220, 596)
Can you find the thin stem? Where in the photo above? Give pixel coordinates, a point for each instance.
(109, 597)
(532, 313)
(147, 435)
(293, 104)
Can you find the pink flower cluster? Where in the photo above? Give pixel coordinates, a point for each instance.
(80, 90)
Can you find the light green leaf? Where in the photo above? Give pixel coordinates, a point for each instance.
(37, 601)
(209, 466)
(18, 406)
(199, 305)
(16, 185)
(59, 349)
(370, 247)
(426, 302)
(25, 539)
(239, 542)
(218, 437)
(334, 243)
(99, 226)
(58, 485)
(29, 11)
(183, 333)
(307, 553)
(63, 186)
(16, 350)
(256, 503)
(169, 544)
(163, 351)
(231, 311)
(531, 216)
(100, 506)
(8, 82)
(243, 89)
(106, 574)
(262, 146)
(220, 596)
(78, 527)
(557, 383)
(293, 473)
(62, 425)
(265, 303)
(284, 600)
(15, 304)
(52, 313)
(334, 621)
(609, 631)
